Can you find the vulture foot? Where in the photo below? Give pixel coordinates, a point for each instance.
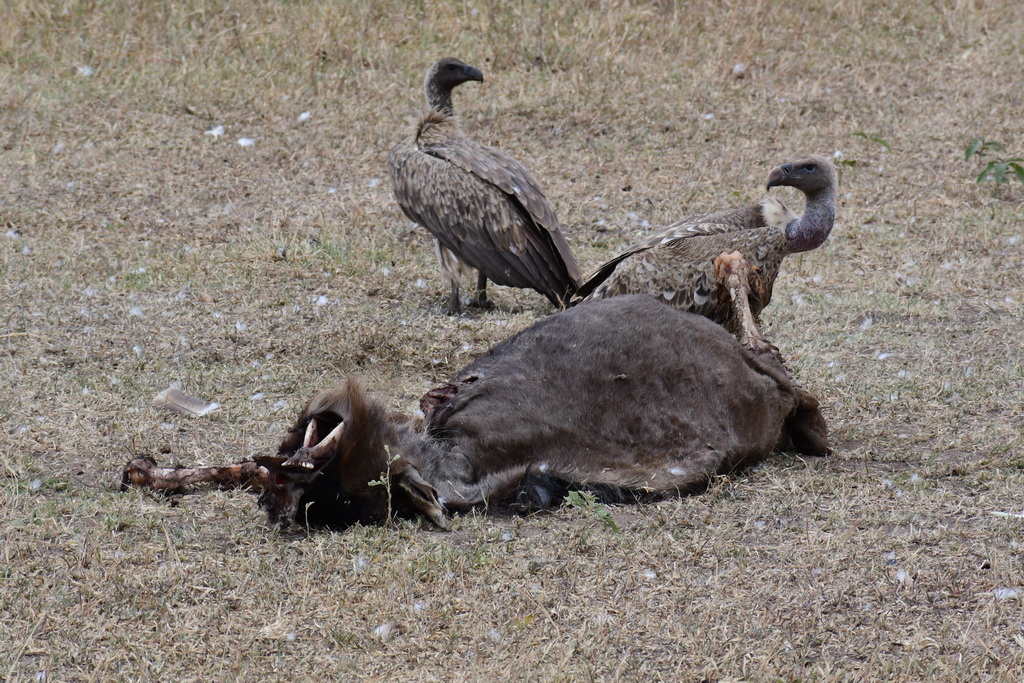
(454, 302)
(482, 303)
(480, 300)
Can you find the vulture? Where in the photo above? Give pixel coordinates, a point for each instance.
(625, 398)
(484, 208)
(676, 264)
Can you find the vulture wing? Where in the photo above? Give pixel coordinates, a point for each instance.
(520, 187)
(502, 171)
(681, 272)
(770, 212)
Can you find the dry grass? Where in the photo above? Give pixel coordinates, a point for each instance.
(882, 562)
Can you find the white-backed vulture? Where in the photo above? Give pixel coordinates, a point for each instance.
(676, 264)
(485, 209)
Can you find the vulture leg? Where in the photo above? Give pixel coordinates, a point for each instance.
(143, 472)
(734, 273)
(452, 268)
(480, 299)
(454, 305)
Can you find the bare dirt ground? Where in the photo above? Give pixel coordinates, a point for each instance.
(141, 251)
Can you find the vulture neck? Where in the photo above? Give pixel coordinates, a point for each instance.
(813, 228)
(438, 98)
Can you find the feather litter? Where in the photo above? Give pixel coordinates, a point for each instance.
(177, 401)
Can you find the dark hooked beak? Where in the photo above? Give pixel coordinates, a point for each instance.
(778, 175)
(474, 74)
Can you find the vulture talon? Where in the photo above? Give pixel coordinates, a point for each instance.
(483, 305)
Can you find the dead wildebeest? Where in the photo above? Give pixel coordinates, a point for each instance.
(626, 397)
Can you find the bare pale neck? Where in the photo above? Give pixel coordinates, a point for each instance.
(812, 229)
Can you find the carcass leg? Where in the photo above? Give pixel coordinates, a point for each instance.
(734, 273)
(806, 430)
(143, 472)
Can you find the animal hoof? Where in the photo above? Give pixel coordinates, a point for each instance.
(725, 263)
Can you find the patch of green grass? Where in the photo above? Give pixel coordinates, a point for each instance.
(588, 503)
(1000, 170)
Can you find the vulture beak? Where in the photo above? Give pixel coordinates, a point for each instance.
(474, 74)
(779, 175)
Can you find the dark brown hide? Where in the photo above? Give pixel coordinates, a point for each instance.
(624, 396)
(350, 487)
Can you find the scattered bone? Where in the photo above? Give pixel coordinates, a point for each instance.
(143, 472)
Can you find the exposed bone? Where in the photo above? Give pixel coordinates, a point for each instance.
(314, 457)
(737, 274)
(143, 472)
(734, 272)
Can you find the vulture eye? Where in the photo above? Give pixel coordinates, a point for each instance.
(810, 168)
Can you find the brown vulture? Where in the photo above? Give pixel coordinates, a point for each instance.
(676, 264)
(485, 209)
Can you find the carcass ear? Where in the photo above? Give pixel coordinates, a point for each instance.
(422, 496)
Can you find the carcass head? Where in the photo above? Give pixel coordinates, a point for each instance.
(340, 465)
(292, 477)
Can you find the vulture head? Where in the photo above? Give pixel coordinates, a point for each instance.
(810, 175)
(815, 176)
(444, 75)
